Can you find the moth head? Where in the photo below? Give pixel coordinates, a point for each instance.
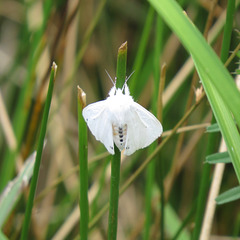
(114, 90)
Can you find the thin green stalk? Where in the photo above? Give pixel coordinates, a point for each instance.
(114, 195)
(121, 65)
(161, 165)
(203, 189)
(137, 66)
(187, 220)
(33, 185)
(84, 44)
(148, 197)
(116, 159)
(83, 166)
(228, 30)
(158, 96)
(23, 103)
(150, 174)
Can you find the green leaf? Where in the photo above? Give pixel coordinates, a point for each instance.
(229, 196)
(36, 169)
(203, 54)
(224, 118)
(2, 236)
(173, 223)
(213, 128)
(217, 82)
(222, 157)
(83, 166)
(13, 190)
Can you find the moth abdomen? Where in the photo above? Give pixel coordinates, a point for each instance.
(119, 135)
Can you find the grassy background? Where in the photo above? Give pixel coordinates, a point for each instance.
(83, 39)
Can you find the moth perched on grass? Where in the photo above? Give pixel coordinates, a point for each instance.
(120, 120)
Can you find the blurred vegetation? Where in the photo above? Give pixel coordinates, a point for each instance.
(83, 37)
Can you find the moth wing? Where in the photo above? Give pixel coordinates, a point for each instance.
(98, 119)
(142, 128)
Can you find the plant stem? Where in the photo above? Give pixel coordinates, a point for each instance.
(116, 159)
(114, 195)
(138, 63)
(83, 166)
(121, 65)
(228, 30)
(33, 186)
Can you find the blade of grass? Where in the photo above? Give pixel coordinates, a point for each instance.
(228, 30)
(22, 110)
(2, 236)
(33, 185)
(114, 195)
(137, 66)
(204, 56)
(14, 188)
(173, 223)
(116, 159)
(83, 166)
(213, 128)
(186, 221)
(222, 157)
(150, 171)
(202, 52)
(84, 44)
(224, 119)
(229, 196)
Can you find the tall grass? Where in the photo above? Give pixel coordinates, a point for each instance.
(162, 189)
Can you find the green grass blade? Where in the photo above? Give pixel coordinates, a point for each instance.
(83, 166)
(203, 54)
(173, 223)
(116, 159)
(227, 30)
(222, 157)
(224, 118)
(186, 221)
(21, 113)
(14, 189)
(213, 128)
(229, 196)
(2, 236)
(114, 195)
(134, 85)
(33, 185)
(151, 168)
(148, 197)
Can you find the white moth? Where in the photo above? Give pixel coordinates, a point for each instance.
(120, 120)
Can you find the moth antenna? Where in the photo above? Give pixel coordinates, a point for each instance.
(127, 79)
(129, 76)
(114, 83)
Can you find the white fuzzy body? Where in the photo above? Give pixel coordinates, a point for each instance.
(120, 120)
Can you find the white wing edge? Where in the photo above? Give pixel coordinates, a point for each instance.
(97, 118)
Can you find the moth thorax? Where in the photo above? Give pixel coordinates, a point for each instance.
(119, 135)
